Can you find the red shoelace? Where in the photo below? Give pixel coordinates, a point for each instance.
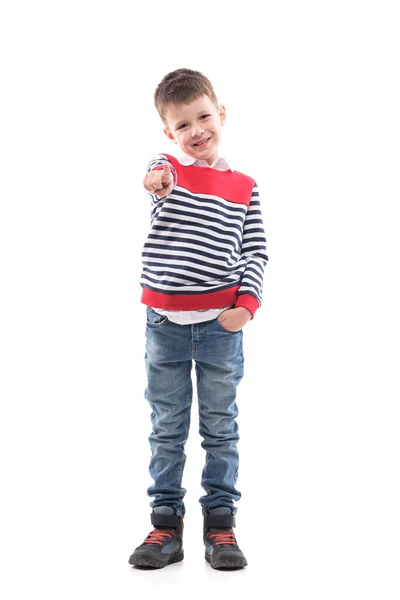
(157, 536)
(222, 537)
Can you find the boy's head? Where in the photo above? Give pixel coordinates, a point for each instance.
(188, 107)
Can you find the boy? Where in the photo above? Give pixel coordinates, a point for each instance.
(203, 265)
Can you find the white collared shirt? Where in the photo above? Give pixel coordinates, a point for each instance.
(221, 163)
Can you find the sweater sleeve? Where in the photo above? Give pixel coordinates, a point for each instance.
(157, 162)
(254, 251)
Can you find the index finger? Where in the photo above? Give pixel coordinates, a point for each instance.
(166, 173)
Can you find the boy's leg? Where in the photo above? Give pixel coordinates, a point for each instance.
(219, 369)
(169, 392)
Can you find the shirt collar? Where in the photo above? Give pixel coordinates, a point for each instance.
(221, 163)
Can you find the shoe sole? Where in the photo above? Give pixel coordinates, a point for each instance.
(226, 562)
(148, 560)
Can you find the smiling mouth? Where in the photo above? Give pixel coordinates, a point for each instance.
(201, 144)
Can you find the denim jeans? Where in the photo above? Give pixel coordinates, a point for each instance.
(219, 361)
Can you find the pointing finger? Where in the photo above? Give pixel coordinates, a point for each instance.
(166, 173)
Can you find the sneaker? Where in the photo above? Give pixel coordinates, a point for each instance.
(222, 550)
(163, 545)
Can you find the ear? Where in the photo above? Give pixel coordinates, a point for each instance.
(170, 135)
(222, 113)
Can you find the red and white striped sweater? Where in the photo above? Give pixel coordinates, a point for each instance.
(206, 247)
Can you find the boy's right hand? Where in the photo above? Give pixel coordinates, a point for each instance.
(160, 182)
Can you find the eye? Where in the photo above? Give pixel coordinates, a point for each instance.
(204, 116)
(183, 125)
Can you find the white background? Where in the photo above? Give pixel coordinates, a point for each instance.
(312, 97)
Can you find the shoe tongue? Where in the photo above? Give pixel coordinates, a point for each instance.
(220, 510)
(164, 510)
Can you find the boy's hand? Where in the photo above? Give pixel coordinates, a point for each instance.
(160, 182)
(233, 319)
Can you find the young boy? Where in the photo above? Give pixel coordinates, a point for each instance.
(203, 266)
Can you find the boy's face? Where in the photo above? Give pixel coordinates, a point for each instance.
(199, 121)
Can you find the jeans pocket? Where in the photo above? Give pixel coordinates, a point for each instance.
(223, 328)
(154, 318)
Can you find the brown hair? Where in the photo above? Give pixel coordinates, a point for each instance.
(182, 86)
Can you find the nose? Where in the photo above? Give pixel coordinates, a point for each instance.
(197, 130)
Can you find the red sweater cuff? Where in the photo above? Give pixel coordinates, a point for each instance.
(248, 301)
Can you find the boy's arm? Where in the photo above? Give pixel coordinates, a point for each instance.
(254, 250)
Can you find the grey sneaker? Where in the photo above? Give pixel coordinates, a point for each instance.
(222, 550)
(163, 545)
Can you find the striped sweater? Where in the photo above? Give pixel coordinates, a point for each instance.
(206, 247)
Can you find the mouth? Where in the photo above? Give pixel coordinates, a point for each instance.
(202, 143)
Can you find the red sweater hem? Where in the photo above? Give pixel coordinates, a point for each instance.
(199, 301)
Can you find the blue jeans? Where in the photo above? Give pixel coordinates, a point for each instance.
(219, 361)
